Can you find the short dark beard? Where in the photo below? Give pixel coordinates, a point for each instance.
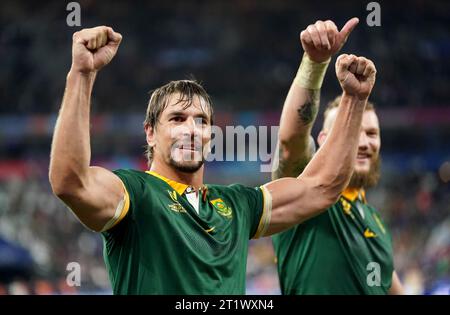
(186, 168)
(367, 180)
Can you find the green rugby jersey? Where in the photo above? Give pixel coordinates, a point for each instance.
(163, 246)
(335, 252)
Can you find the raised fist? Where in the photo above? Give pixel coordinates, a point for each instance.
(356, 75)
(93, 48)
(322, 40)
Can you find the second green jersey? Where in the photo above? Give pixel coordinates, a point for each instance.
(345, 250)
(162, 245)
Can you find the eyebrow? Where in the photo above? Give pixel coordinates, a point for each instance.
(183, 113)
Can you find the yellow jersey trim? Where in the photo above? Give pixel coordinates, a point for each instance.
(178, 187)
(352, 194)
(266, 214)
(210, 230)
(121, 210)
(368, 233)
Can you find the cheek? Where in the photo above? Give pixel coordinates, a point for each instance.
(375, 144)
(175, 132)
(206, 135)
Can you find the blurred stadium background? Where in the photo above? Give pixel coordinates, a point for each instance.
(246, 54)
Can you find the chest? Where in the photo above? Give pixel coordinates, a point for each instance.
(163, 211)
(362, 229)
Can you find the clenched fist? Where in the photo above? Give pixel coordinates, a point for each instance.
(93, 48)
(356, 75)
(322, 40)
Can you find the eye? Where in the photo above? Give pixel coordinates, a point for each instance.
(201, 120)
(176, 119)
(372, 133)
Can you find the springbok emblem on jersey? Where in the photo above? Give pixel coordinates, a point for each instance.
(222, 208)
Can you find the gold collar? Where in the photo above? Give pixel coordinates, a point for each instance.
(178, 187)
(352, 194)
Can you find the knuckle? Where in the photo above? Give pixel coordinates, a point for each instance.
(341, 58)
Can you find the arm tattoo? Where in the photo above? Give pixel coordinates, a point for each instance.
(280, 167)
(308, 111)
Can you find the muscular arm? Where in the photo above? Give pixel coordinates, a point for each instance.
(295, 200)
(93, 193)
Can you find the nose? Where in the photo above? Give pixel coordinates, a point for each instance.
(193, 126)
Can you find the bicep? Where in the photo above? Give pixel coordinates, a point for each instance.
(295, 200)
(97, 201)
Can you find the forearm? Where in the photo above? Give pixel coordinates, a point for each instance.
(334, 161)
(295, 200)
(71, 152)
(295, 148)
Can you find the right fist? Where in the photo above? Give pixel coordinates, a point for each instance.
(323, 40)
(93, 48)
(356, 75)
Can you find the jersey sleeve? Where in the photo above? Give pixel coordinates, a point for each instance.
(258, 206)
(131, 186)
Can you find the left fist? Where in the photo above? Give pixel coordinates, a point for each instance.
(356, 75)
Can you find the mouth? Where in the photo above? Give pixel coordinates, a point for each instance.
(363, 156)
(190, 147)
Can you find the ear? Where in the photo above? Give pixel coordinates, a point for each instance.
(321, 137)
(150, 135)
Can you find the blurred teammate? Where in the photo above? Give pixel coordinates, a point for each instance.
(347, 249)
(164, 231)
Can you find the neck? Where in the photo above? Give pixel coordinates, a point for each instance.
(192, 179)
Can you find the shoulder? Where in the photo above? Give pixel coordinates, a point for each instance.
(129, 172)
(134, 175)
(135, 181)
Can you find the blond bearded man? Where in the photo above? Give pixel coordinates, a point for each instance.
(346, 249)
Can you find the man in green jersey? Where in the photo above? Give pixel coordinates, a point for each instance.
(347, 249)
(164, 230)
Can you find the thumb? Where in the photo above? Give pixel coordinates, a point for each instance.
(348, 28)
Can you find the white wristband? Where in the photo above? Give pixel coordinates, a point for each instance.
(310, 74)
